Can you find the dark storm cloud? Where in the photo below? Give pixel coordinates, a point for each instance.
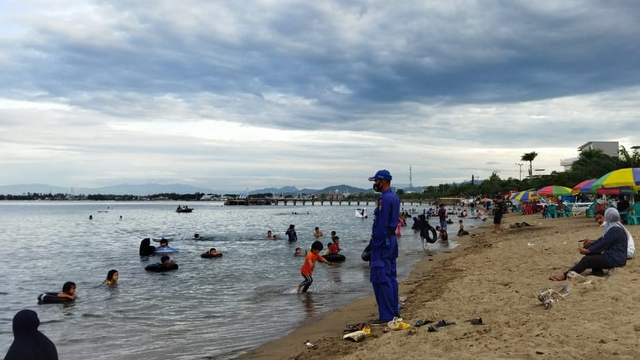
(470, 53)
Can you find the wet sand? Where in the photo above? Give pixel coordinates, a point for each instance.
(496, 277)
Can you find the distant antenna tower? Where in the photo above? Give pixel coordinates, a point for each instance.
(410, 179)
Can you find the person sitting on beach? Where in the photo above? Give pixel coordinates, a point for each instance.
(608, 252)
(68, 290)
(442, 234)
(112, 277)
(317, 232)
(164, 243)
(299, 252)
(334, 247)
(631, 247)
(623, 205)
(461, 230)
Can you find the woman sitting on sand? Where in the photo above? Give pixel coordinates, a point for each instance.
(608, 252)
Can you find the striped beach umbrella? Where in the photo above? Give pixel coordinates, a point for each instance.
(627, 177)
(589, 187)
(525, 195)
(554, 190)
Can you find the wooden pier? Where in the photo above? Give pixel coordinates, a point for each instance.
(312, 202)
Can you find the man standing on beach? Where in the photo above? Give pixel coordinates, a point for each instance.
(384, 248)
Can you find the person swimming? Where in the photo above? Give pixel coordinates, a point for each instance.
(112, 277)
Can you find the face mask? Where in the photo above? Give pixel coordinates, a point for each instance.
(376, 187)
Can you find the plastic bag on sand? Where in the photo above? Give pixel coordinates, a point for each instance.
(355, 336)
(574, 276)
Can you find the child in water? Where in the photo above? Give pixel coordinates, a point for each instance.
(334, 247)
(112, 277)
(309, 264)
(298, 252)
(68, 290)
(291, 233)
(163, 244)
(166, 261)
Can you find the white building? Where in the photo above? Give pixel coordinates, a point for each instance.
(610, 148)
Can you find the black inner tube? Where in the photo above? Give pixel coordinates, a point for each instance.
(52, 298)
(430, 234)
(157, 267)
(334, 257)
(366, 253)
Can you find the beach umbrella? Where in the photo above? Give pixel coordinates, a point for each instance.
(588, 187)
(628, 177)
(525, 195)
(554, 190)
(583, 187)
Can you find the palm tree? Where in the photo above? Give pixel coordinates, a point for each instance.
(629, 160)
(529, 157)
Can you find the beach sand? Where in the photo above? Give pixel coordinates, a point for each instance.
(496, 277)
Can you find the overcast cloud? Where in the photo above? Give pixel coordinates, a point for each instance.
(232, 95)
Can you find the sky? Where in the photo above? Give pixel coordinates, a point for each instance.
(251, 94)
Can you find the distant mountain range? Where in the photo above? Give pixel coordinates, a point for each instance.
(150, 189)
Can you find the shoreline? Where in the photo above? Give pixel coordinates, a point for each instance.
(496, 277)
(327, 331)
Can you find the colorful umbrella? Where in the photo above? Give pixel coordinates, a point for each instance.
(587, 187)
(523, 195)
(628, 177)
(554, 190)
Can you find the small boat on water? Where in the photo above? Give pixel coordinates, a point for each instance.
(184, 209)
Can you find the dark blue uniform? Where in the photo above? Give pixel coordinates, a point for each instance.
(384, 252)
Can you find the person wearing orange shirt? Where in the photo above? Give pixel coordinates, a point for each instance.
(309, 264)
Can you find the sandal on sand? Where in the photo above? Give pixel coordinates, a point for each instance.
(354, 327)
(421, 322)
(477, 321)
(431, 329)
(442, 323)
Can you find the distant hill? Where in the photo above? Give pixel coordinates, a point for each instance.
(292, 190)
(122, 189)
(150, 189)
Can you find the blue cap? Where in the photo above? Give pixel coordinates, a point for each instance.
(381, 175)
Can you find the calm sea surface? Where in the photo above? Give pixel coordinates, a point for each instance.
(209, 308)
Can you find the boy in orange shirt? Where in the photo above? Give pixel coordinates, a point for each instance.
(309, 264)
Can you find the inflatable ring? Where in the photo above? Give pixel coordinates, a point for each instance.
(211, 256)
(334, 257)
(52, 298)
(166, 250)
(430, 234)
(366, 253)
(157, 267)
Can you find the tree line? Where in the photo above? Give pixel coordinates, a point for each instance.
(591, 164)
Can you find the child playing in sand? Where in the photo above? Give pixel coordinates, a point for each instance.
(309, 264)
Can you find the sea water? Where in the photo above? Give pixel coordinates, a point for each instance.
(209, 308)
